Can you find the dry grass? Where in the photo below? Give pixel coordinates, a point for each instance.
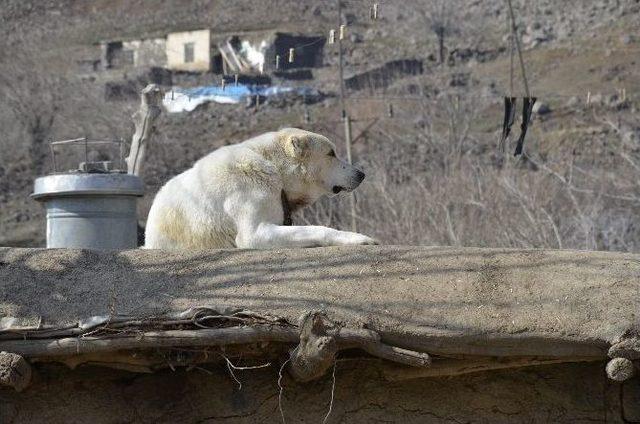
(431, 187)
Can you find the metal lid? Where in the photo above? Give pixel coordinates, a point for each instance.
(86, 184)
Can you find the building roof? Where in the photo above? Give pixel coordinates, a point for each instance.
(439, 300)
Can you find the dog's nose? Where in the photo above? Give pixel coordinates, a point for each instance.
(359, 176)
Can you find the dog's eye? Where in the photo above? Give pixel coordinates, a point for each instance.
(332, 154)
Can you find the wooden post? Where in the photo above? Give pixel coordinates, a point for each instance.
(345, 116)
(352, 197)
(441, 34)
(143, 119)
(341, 65)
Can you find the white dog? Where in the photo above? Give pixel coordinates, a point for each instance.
(243, 195)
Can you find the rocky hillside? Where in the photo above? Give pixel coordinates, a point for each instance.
(437, 175)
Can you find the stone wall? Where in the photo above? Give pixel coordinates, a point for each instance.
(148, 53)
(576, 393)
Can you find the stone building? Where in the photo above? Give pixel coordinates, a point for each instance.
(189, 51)
(202, 50)
(143, 53)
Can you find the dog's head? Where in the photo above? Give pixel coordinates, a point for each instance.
(323, 171)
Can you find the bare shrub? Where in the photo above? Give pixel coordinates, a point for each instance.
(34, 99)
(430, 187)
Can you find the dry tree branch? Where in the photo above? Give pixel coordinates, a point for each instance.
(321, 339)
(553, 226)
(308, 362)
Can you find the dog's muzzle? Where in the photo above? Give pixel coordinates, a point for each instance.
(357, 178)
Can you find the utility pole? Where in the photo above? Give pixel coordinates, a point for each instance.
(345, 116)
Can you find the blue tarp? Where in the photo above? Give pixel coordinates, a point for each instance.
(187, 99)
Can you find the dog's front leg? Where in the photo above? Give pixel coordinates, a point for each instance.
(266, 236)
(255, 219)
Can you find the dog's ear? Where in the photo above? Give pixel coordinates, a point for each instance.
(297, 145)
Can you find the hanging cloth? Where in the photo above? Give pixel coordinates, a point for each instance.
(509, 118)
(527, 110)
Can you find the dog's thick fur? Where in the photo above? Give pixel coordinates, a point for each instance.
(242, 195)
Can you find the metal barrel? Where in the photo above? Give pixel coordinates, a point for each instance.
(90, 211)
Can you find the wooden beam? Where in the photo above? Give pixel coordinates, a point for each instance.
(144, 120)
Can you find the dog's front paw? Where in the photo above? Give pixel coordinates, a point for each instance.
(354, 239)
